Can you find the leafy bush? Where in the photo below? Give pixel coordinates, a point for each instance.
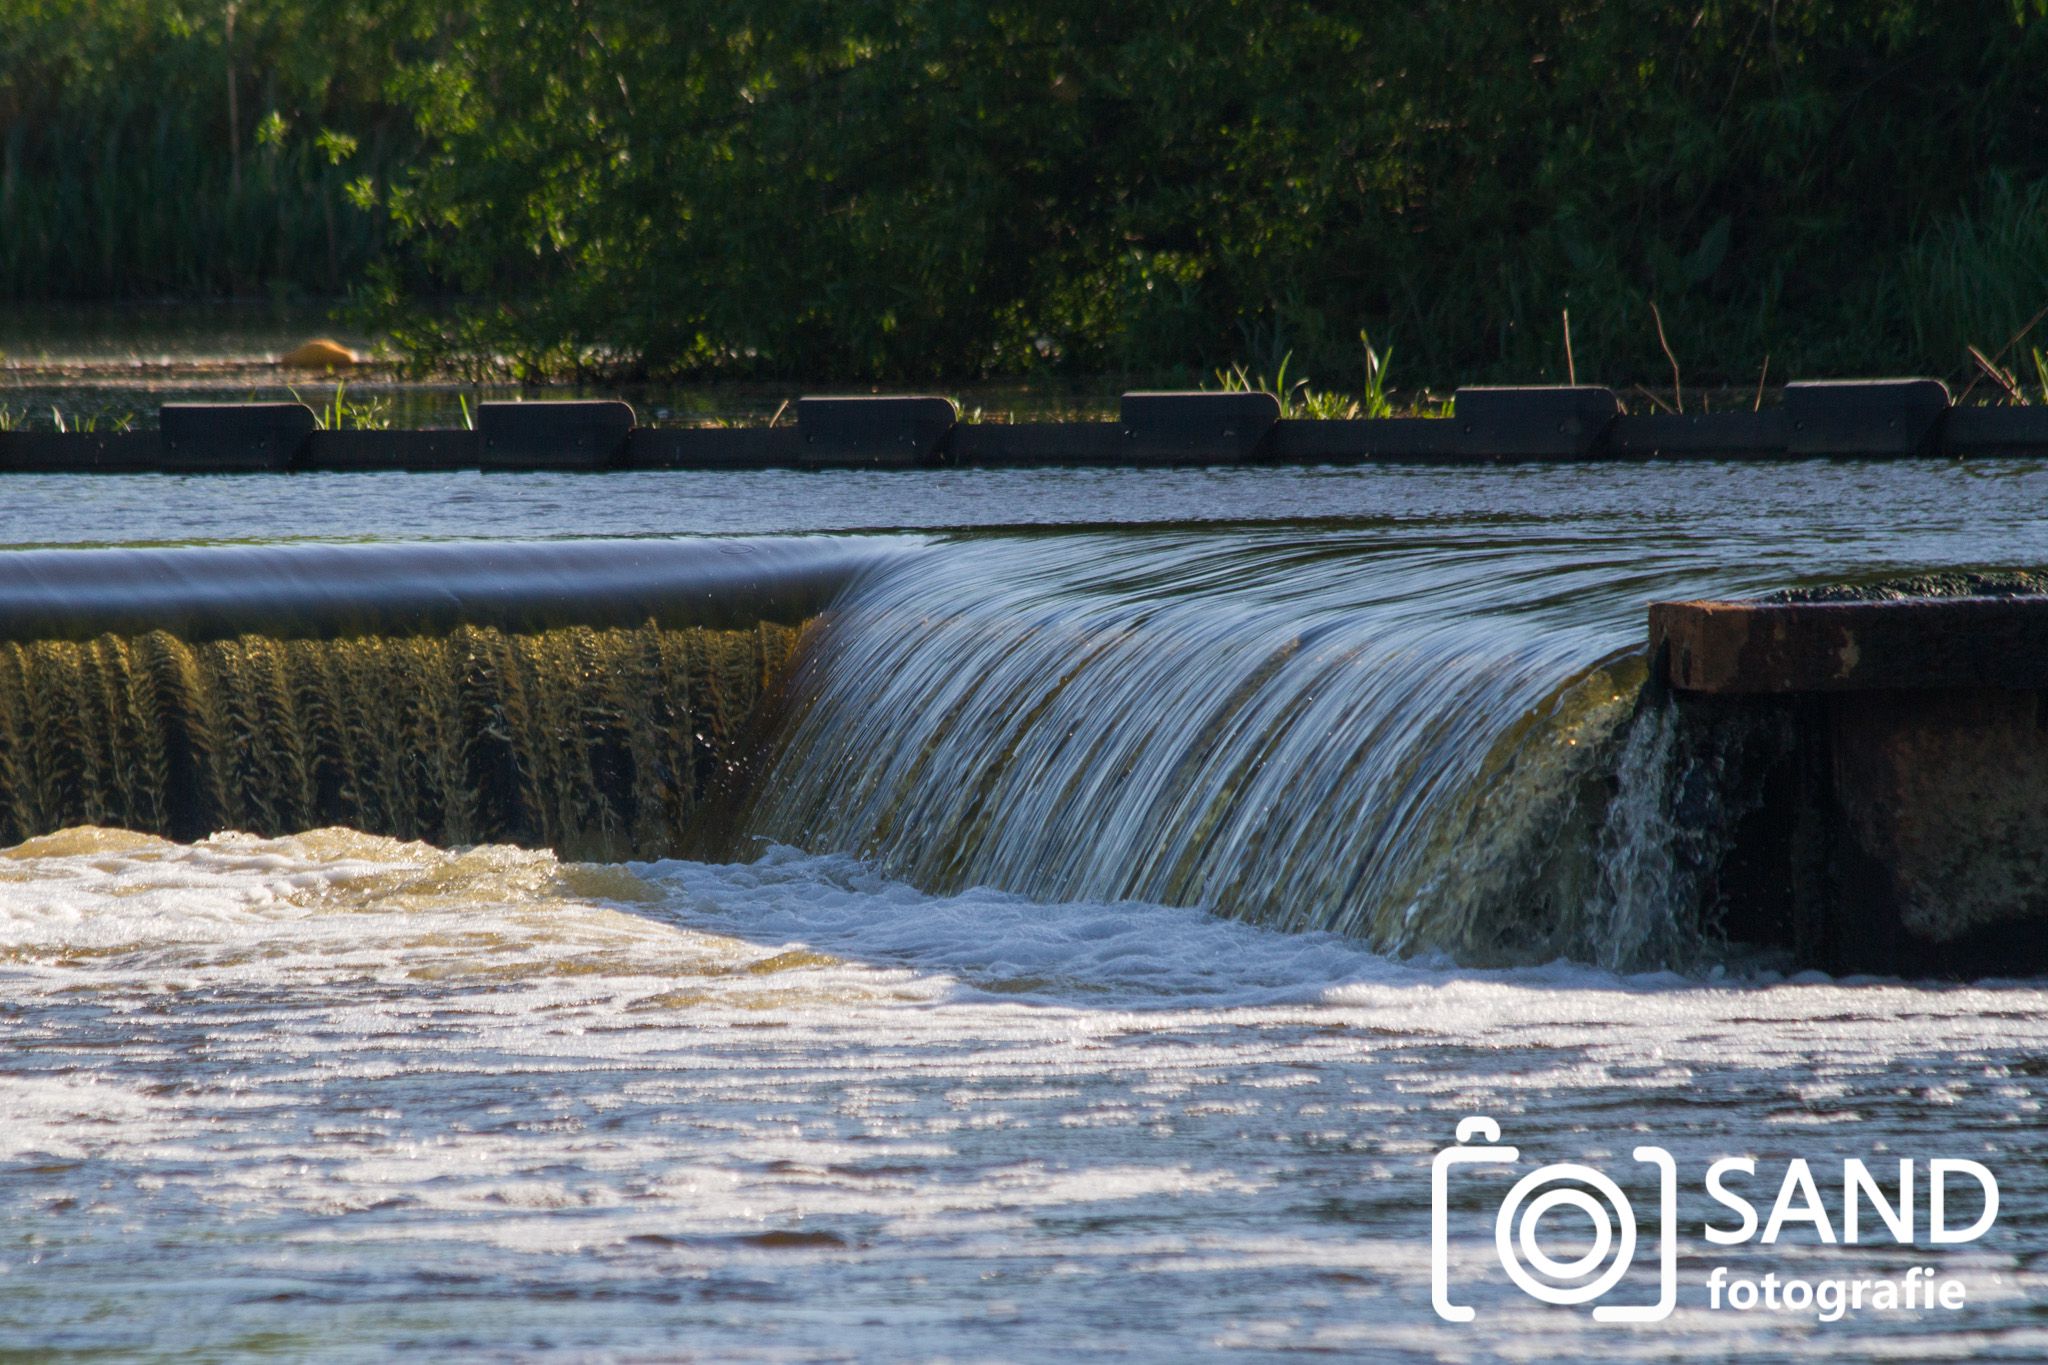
(914, 189)
(151, 148)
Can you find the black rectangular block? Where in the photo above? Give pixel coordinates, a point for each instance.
(1037, 443)
(233, 437)
(881, 430)
(1995, 431)
(1865, 416)
(1196, 427)
(371, 450)
(713, 448)
(1702, 435)
(1896, 645)
(553, 435)
(51, 452)
(1389, 439)
(1562, 422)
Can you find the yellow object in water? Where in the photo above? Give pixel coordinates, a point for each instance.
(320, 354)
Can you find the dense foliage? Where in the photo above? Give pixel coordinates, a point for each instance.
(909, 189)
(153, 148)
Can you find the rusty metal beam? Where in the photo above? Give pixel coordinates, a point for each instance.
(1914, 644)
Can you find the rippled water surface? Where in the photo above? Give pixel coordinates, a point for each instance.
(872, 1094)
(1778, 514)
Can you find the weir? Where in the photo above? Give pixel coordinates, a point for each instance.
(1435, 747)
(606, 699)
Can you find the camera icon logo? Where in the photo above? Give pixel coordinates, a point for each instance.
(1516, 1235)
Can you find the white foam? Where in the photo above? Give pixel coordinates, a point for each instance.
(365, 1066)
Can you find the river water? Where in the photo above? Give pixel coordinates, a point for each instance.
(1157, 868)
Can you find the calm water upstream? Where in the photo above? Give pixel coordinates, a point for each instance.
(1156, 867)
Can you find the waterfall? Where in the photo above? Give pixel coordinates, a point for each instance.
(606, 699)
(598, 743)
(1411, 743)
(1432, 742)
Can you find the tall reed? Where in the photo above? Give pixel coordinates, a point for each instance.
(147, 154)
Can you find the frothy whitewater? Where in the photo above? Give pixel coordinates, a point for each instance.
(339, 1095)
(965, 1057)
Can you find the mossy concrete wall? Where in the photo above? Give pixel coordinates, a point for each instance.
(1885, 765)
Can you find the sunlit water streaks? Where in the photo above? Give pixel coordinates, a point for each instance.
(1274, 728)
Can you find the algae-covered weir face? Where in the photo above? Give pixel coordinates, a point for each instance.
(1008, 1023)
(597, 743)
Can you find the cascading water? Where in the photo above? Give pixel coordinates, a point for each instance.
(1428, 740)
(598, 743)
(1409, 742)
(1423, 744)
(600, 698)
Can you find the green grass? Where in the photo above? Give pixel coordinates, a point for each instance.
(141, 209)
(1301, 400)
(2006, 383)
(342, 413)
(1977, 276)
(151, 151)
(66, 420)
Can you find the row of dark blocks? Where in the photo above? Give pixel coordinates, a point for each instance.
(1872, 418)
